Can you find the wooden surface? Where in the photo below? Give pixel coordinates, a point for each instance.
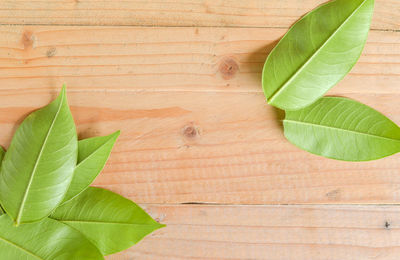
(194, 121)
(224, 13)
(181, 79)
(271, 232)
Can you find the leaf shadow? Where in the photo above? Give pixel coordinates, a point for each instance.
(279, 115)
(259, 57)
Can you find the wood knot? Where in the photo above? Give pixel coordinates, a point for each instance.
(228, 68)
(334, 194)
(190, 131)
(51, 52)
(28, 40)
(387, 225)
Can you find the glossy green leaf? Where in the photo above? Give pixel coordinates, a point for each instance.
(92, 156)
(316, 53)
(47, 240)
(38, 166)
(342, 129)
(110, 221)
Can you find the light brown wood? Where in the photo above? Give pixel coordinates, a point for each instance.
(195, 126)
(168, 59)
(232, 13)
(271, 232)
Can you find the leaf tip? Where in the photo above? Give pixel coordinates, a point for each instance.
(117, 133)
(114, 136)
(63, 92)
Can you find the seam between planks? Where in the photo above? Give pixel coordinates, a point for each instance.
(272, 205)
(168, 26)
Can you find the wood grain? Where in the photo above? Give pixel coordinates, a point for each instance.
(271, 232)
(195, 126)
(168, 59)
(181, 79)
(232, 13)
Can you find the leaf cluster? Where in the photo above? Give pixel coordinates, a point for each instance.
(314, 55)
(48, 210)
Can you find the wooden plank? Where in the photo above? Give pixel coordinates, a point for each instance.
(168, 59)
(195, 126)
(271, 232)
(233, 13)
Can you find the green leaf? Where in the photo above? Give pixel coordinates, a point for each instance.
(38, 166)
(316, 53)
(47, 239)
(92, 156)
(342, 129)
(2, 153)
(112, 222)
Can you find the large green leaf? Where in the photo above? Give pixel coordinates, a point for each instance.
(47, 239)
(342, 129)
(92, 156)
(38, 166)
(110, 221)
(316, 53)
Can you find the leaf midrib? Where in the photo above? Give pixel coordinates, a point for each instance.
(341, 129)
(18, 217)
(298, 71)
(21, 248)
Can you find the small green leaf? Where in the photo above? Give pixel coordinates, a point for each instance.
(342, 129)
(110, 221)
(316, 53)
(47, 240)
(38, 166)
(92, 156)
